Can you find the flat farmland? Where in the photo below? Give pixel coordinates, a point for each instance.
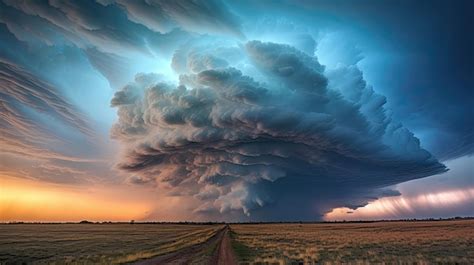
(96, 243)
(433, 242)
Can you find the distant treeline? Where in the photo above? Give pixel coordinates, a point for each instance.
(251, 222)
(110, 222)
(359, 221)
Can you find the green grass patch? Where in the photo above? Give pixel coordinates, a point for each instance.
(243, 252)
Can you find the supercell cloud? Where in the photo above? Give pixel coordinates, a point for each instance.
(264, 125)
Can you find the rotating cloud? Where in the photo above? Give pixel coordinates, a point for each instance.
(264, 130)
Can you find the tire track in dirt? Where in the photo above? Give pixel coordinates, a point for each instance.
(223, 253)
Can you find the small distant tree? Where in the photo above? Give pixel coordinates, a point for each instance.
(132, 222)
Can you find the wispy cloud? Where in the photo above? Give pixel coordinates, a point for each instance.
(28, 108)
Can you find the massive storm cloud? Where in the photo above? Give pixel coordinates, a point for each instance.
(263, 130)
(237, 110)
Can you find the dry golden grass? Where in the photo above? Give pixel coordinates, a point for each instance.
(442, 242)
(95, 243)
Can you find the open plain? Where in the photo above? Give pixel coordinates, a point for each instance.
(413, 242)
(416, 242)
(96, 243)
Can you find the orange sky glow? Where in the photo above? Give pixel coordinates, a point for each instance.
(27, 200)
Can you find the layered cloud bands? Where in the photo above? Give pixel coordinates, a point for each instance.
(264, 130)
(37, 129)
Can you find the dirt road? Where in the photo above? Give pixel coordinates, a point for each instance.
(221, 252)
(226, 255)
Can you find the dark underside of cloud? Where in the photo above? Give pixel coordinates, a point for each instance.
(292, 145)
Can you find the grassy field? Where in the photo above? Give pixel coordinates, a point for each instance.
(443, 242)
(440, 242)
(95, 243)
